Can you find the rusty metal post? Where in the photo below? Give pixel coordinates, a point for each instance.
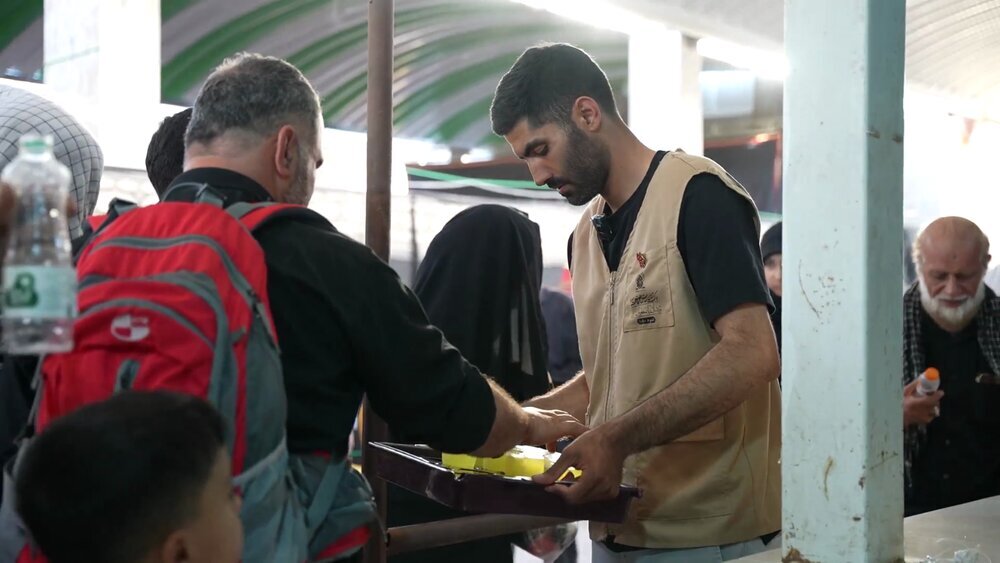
(380, 30)
(378, 200)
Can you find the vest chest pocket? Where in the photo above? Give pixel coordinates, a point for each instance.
(647, 299)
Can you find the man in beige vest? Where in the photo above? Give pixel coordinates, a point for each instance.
(680, 361)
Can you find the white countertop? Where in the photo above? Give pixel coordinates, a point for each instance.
(940, 533)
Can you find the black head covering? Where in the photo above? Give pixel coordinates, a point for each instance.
(479, 283)
(770, 243)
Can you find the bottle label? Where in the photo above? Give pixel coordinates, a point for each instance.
(39, 292)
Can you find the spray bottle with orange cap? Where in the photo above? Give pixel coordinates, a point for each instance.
(928, 384)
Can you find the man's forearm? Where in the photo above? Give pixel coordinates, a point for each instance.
(572, 397)
(715, 385)
(514, 425)
(510, 426)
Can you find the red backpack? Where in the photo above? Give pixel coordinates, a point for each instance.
(174, 296)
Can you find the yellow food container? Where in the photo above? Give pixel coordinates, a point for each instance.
(519, 461)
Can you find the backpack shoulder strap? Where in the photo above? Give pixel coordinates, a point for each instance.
(94, 222)
(255, 215)
(97, 223)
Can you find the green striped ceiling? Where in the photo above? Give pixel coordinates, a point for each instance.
(15, 17)
(448, 55)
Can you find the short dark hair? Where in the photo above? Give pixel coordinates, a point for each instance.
(113, 479)
(543, 84)
(165, 155)
(253, 94)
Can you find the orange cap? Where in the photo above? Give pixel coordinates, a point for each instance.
(932, 374)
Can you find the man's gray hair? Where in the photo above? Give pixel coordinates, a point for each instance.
(251, 93)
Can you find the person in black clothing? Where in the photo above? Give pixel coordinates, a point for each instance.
(951, 323)
(479, 284)
(165, 154)
(770, 251)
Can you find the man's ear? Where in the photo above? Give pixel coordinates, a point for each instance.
(587, 114)
(285, 151)
(175, 549)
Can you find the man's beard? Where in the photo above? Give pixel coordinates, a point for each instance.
(956, 316)
(586, 166)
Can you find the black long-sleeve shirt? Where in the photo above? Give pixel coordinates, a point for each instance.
(348, 326)
(961, 460)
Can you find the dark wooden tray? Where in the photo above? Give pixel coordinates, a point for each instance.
(419, 469)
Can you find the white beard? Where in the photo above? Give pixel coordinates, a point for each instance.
(956, 316)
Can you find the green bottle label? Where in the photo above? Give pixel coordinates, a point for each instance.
(39, 292)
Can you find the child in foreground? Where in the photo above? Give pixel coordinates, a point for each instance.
(141, 477)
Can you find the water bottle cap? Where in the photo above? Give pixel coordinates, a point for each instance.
(33, 143)
(932, 374)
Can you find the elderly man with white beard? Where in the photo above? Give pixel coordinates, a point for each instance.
(951, 323)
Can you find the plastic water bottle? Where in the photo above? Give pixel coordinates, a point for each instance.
(39, 281)
(928, 382)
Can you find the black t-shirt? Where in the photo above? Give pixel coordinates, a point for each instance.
(348, 326)
(617, 227)
(961, 460)
(716, 236)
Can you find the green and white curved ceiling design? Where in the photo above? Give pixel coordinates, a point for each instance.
(448, 55)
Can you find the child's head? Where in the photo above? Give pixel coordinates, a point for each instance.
(140, 477)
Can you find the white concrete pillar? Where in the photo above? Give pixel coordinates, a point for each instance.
(842, 351)
(664, 99)
(107, 54)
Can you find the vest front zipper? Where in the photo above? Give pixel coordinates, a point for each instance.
(611, 345)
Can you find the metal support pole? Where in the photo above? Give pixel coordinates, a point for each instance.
(404, 539)
(380, 36)
(380, 30)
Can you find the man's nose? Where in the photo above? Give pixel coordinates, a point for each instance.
(952, 288)
(539, 173)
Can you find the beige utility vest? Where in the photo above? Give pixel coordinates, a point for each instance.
(640, 330)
